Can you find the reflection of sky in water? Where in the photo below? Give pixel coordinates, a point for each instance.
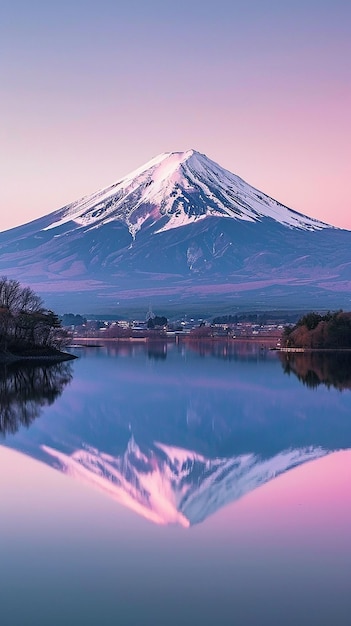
(282, 554)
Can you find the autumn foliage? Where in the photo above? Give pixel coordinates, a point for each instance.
(315, 331)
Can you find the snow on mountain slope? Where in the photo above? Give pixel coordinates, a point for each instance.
(177, 188)
(169, 485)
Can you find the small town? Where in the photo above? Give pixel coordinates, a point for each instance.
(154, 327)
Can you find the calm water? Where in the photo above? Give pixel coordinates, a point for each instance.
(171, 485)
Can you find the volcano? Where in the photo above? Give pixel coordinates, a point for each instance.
(179, 231)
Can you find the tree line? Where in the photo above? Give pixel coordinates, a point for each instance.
(25, 324)
(332, 330)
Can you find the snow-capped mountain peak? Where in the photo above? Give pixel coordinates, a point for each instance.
(175, 189)
(180, 226)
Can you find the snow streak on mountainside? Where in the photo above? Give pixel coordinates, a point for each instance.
(168, 485)
(177, 188)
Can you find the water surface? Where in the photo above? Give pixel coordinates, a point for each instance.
(207, 483)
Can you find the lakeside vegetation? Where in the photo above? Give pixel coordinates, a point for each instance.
(315, 331)
(27, 328)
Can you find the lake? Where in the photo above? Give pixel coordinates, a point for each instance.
(173, 484)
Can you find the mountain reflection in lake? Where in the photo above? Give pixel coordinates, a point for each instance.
(176, 432)
(26, 389)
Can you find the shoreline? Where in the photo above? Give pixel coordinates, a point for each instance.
(7, 358)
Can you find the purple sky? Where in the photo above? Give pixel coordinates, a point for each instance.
(92, 90)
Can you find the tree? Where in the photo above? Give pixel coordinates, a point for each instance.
(157, 322)
(70, 319)
(18, 299)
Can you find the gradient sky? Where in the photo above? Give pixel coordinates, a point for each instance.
(91, 90)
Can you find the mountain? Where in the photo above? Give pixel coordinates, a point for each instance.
(171, 485)
(179, 230)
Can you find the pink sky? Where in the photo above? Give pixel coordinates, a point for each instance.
(90, 93)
